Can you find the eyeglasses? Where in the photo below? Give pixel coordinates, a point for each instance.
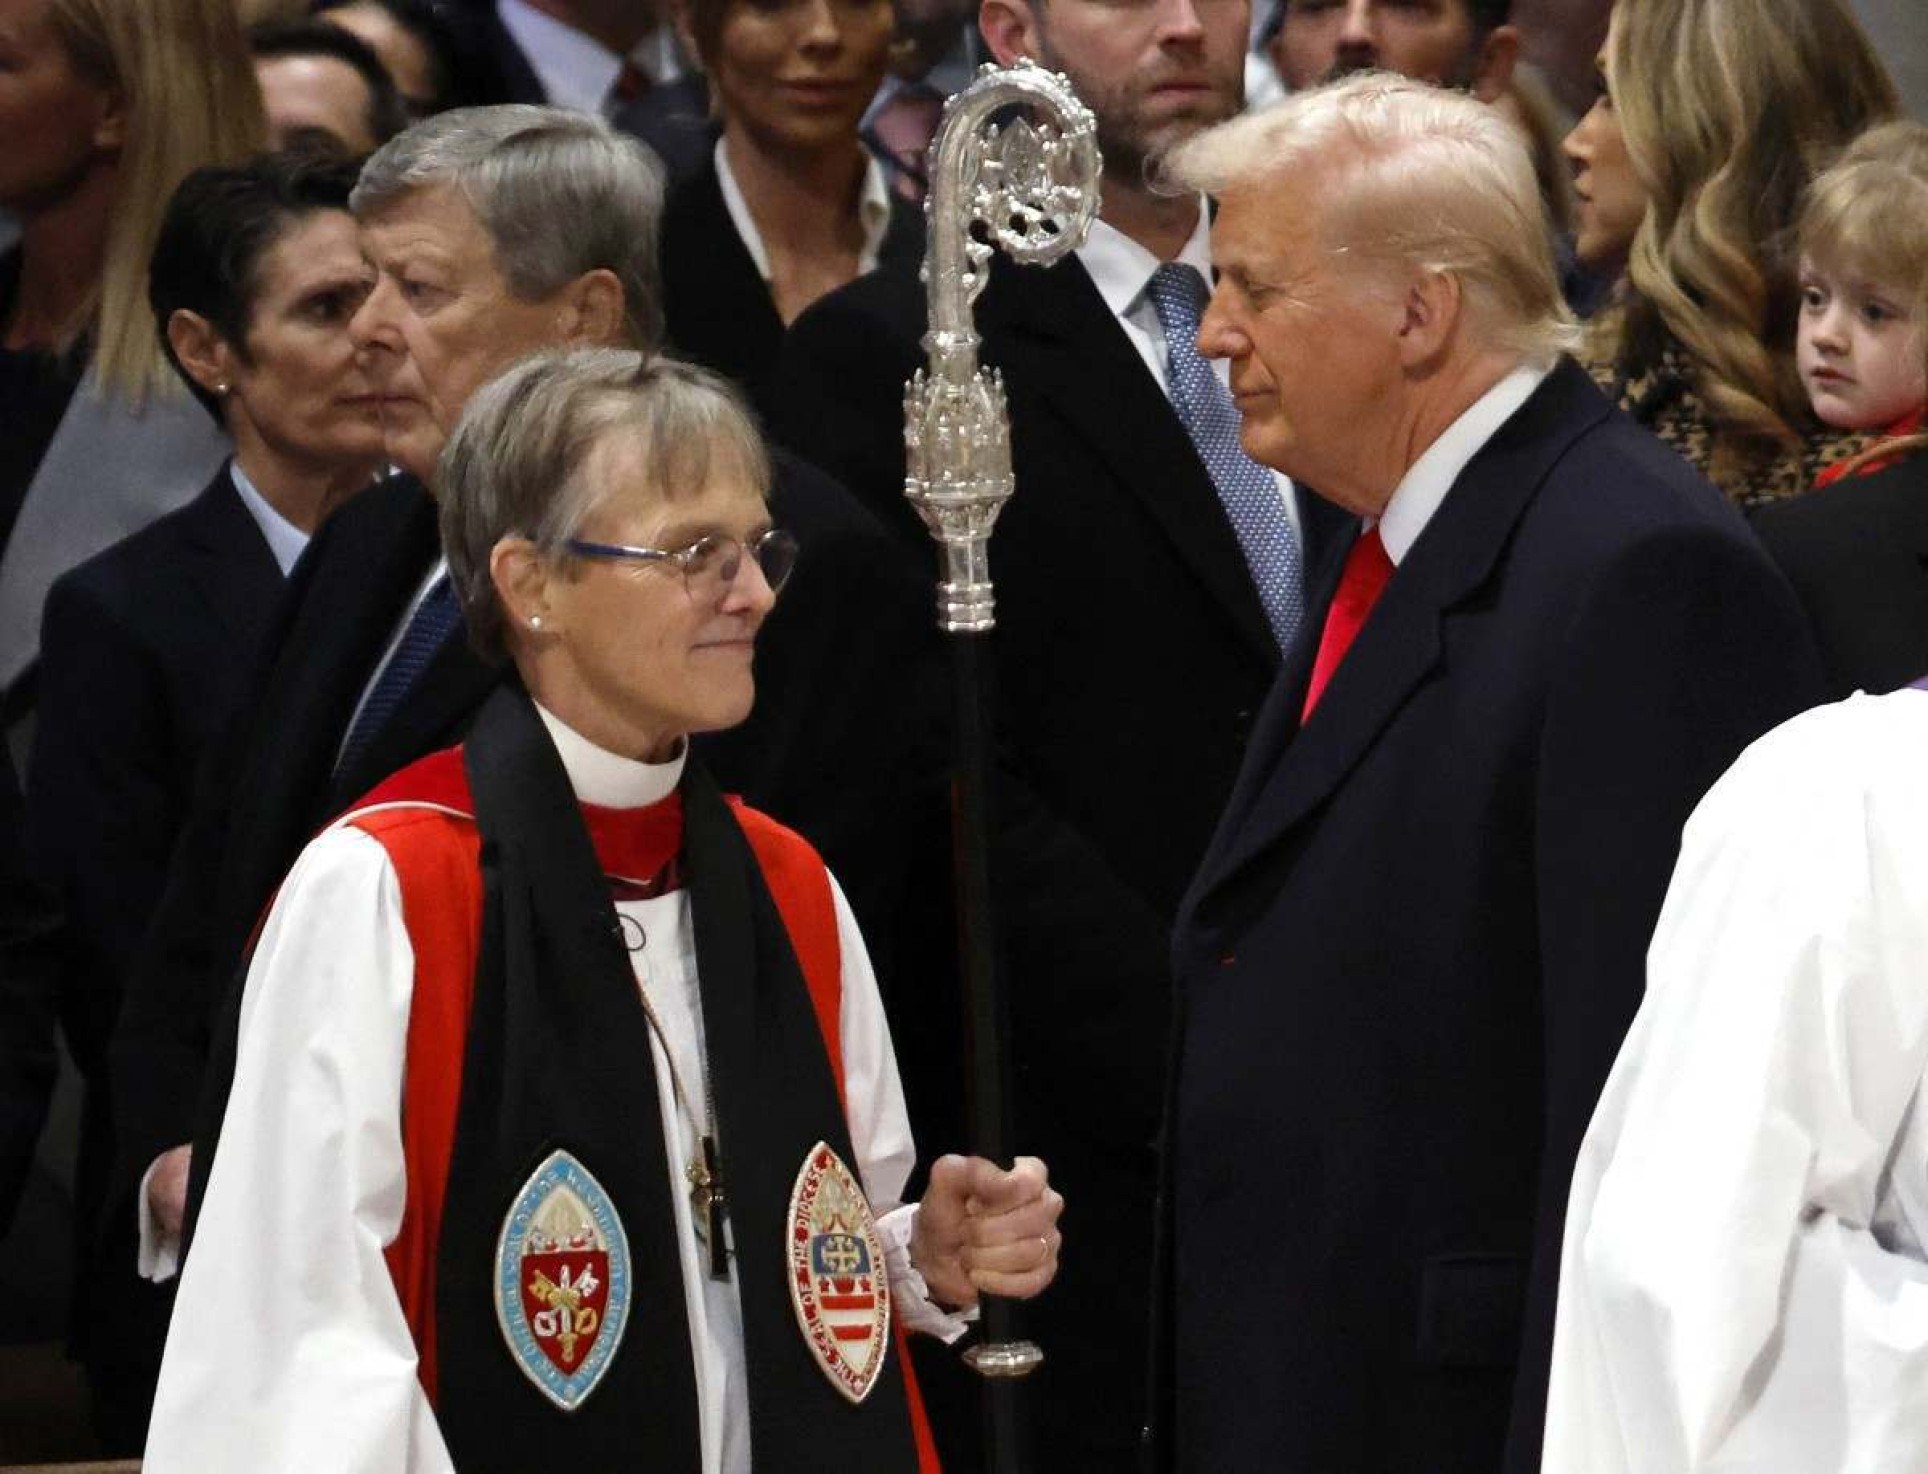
(711, 564)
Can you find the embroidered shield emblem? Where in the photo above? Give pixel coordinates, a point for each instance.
(562, 1280)
(838, 1282)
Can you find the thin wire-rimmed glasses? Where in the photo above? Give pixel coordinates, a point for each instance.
(710, 565)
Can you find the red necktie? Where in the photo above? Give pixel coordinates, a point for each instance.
(1367, 569)
(631, 83)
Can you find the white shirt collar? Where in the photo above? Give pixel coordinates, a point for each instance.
(950, 74)
(1121, 269)
(873, 213)
(1422, 490)
(285, 540)
(575, 69)
(606, 779)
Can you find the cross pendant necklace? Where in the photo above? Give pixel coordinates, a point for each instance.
(708, 1200)
(709, 1204)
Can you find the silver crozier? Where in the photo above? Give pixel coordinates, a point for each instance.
(1026, 185)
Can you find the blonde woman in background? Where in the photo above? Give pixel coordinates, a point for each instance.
(1712, 118)
(104, 106)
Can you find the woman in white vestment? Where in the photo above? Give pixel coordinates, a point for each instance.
(566, 1130)
(1744, 1286)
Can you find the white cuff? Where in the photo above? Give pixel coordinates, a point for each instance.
(909, 1293)
(159, 1256)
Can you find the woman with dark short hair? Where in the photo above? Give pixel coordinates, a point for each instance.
(146, 647)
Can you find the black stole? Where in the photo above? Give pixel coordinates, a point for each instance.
(558, 1056)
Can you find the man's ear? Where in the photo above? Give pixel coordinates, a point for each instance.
(521, 578)
(1010, 29)
(1498, 55)
(1428, 318)
(591, 311)
(203, 352)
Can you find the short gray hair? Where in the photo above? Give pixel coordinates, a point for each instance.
(1413, 175)
(516, 465)
(560, 193)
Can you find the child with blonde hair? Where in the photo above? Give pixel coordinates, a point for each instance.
(1862, 339)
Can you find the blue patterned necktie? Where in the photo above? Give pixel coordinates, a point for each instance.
(1250, 493)
(434, 618)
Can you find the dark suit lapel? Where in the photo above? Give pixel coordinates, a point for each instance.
(903, 243)
(230, 565)
(1398, 649)
(1278, 719)
(431, 715)
(350, 588)
(514, 79)
(717, 306)
(1085, 369)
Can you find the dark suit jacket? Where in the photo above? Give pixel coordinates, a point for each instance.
(716, 305)
(1131, 653)
(1857, 555)
(496, 67)
(673, 118)
(29, 999)
(144, 650)
(1409, 957)
(808, 754)
(269, 786)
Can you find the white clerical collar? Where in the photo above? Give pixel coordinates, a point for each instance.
(1423, 488)
(873, 213)
(607, 779)
(1121, 268)
(575, 69)
(285, 540)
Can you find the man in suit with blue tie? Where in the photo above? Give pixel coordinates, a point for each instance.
(1149, 576)
(1416, 938)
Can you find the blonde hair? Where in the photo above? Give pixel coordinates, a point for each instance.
(1729, 108)
(1867, 215)
(189, 97)
(1413, 175)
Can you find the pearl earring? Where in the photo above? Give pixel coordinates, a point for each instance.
(535, 621)
(221, 389)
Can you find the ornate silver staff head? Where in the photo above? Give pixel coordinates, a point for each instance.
(1031, 191)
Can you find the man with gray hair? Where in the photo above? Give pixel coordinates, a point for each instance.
(491, 232)
(1416, 938)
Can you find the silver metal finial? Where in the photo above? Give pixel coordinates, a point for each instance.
(998, 182)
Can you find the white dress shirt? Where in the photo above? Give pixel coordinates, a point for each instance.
(1422, 490)
(1121, 269)
(873, 213)
(575, 69)
(285, 540)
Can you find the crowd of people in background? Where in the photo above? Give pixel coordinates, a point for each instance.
(1425, 495)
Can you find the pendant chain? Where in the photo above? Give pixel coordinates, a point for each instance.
(704, 1173)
